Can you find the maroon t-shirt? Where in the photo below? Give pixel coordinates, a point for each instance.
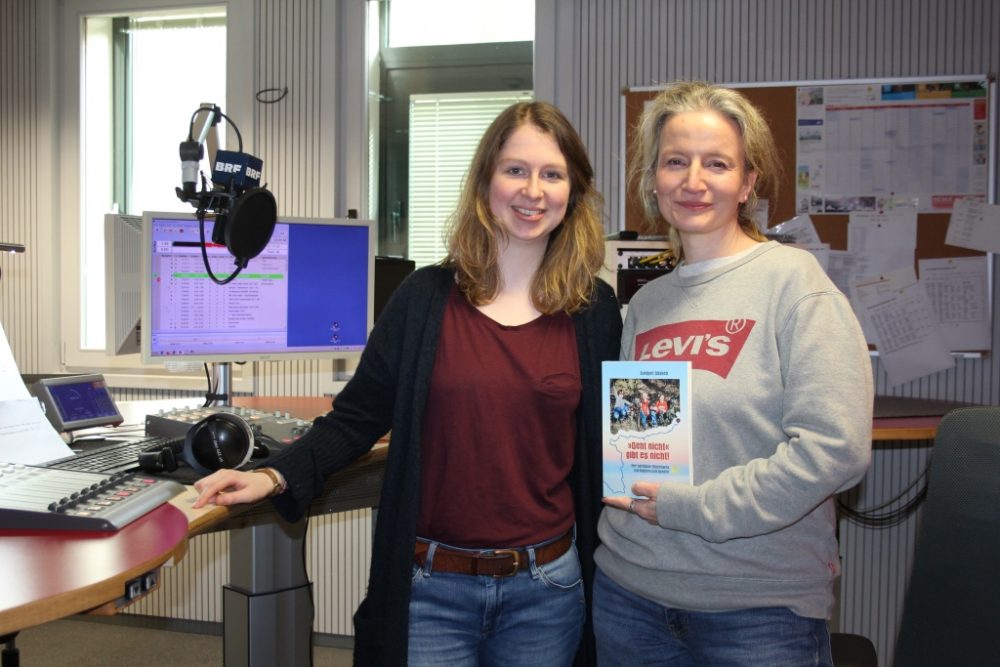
(499, 430)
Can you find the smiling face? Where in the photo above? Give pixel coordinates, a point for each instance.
(530, 187)
(701, 181)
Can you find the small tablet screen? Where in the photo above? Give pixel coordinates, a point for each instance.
(76, 402)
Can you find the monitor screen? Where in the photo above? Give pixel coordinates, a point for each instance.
(309, 294)
(78, 401)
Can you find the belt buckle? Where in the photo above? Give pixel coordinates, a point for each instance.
(501, 553)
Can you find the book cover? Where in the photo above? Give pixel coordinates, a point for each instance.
(647, 425)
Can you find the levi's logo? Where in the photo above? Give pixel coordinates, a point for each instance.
(710, 345)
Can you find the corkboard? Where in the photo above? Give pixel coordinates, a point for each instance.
(778, 105)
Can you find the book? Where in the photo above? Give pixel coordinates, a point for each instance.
(647, 426)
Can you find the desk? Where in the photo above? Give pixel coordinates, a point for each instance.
(905, 428)
(267, 604)
(906, 418)
(50, 575)
(265, 557)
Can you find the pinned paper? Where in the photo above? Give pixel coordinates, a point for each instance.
(974, 224)
(897, 312)
(957, 290)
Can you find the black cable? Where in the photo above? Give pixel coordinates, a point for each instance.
(309, 590)
(208, 196)
(204, 253)
(211, 389)
(279, 94)
(873, 517)
(218, 112)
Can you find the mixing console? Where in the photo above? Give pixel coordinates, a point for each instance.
(33, 498)
(280, 426)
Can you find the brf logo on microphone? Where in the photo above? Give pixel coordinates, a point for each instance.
(236, 169)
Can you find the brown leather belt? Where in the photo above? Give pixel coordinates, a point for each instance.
(493, 562)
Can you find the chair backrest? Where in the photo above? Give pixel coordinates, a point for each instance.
(951, 615)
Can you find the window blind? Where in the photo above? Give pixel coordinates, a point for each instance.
(444, 132)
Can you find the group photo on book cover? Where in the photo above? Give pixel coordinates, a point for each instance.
(647, 425)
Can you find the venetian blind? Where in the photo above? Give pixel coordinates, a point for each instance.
(444, 132)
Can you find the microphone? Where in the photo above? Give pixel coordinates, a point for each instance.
(245, 212)
(191, 154)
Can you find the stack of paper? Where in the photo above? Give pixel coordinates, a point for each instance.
(26, 436)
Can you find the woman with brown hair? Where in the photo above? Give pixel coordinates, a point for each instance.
(486, 369)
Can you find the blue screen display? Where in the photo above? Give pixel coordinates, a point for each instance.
(82, 401)
(308, 293)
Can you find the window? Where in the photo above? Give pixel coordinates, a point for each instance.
(419, 22)
(140, 87)
(444, 132)
(436, 86)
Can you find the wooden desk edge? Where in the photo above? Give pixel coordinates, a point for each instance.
(83, 600)
(213, 518)
(905, 428)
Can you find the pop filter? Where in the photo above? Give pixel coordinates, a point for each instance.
(250, 224)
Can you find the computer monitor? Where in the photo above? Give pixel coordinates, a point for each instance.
(309, 294)
(389, 273)
(122, 277)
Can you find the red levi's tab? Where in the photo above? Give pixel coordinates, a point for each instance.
(710, 345)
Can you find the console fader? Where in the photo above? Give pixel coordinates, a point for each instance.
(281, 426)
(33, 498)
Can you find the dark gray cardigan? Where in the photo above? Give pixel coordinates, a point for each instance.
(389, 390)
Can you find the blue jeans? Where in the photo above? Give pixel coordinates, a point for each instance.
(633, 632)
(534, 617)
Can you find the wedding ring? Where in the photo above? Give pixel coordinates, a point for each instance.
(631, 506)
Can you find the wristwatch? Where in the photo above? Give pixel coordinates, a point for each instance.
(276, 479)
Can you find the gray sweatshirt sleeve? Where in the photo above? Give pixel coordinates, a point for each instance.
(825, 425)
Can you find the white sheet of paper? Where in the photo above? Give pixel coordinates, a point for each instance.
(872, 267)
(974, 224)
(841, 266)
(904, 326)
(957, 289)
(800, 228)
(26, 436)
(821, 251)
(846, 268)
(11, 385)
(893, 230)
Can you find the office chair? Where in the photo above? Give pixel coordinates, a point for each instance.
(851, 650)
(953, 601)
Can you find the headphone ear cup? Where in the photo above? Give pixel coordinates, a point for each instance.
(160, 459)
(222, 440)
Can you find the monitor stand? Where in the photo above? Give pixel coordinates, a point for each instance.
(224, 387)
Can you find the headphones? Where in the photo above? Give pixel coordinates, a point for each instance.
(222, 440)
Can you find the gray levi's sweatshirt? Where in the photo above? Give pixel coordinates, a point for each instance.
(782, 400)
